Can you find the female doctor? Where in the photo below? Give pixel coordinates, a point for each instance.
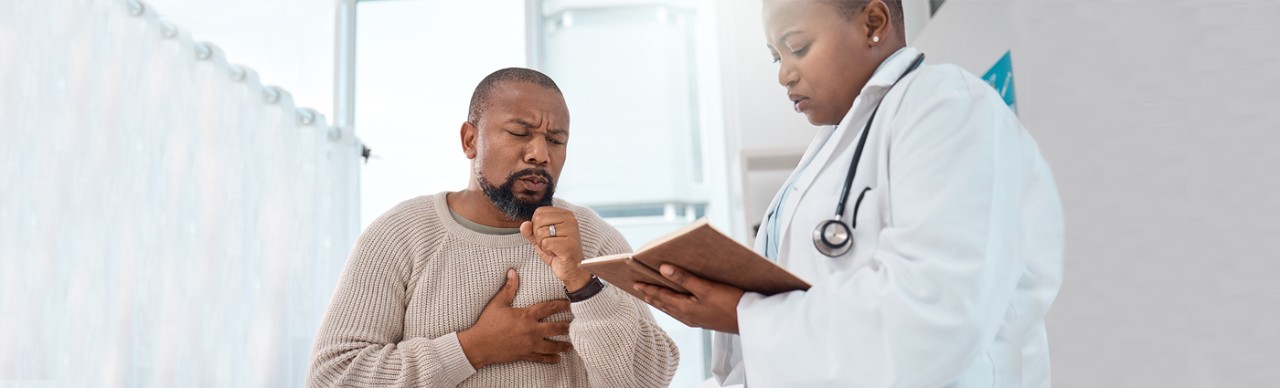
(924, 216)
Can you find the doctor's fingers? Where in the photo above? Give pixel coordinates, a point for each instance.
(671, 311)
(691, 282)
(655, 293)
(674, 304)
(666, 308)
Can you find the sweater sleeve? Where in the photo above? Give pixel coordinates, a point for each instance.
(361, 342)
(614, 333)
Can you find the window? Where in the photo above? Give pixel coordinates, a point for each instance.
(628, 71)
(417, 63)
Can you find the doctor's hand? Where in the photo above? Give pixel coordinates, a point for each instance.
(561, 250)
(712, 306)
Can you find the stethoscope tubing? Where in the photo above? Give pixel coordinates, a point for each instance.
(822, 233)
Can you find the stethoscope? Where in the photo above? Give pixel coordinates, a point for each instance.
(833, 237)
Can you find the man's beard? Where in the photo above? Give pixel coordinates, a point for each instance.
(504, 197)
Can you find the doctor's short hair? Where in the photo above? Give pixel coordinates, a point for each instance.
(480, 97)
(849, 8)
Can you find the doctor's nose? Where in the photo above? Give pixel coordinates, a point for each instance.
(787, 75)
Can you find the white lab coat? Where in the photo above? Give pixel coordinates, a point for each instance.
(958, 257)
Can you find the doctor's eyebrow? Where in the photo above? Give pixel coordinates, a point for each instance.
(782, 40)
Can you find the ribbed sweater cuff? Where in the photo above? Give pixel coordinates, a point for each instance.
(454, 366)
(600, 307)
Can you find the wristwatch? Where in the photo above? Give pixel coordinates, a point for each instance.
(592, 288)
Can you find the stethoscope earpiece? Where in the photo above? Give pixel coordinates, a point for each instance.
(833, 237)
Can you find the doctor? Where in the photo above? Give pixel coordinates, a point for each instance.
(924, 216)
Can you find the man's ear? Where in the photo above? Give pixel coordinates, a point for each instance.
(469, 134)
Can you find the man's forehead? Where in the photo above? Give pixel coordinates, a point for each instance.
(526, 97)
(526, 104)
(517, 89)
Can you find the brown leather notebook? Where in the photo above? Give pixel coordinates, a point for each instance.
(701, 249)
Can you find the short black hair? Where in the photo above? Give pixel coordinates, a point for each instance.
(480, 98)
(849, 8)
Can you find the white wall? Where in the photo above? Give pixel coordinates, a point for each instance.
(413, 87)
(1160, 123)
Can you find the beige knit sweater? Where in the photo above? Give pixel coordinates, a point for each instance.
(416, 278)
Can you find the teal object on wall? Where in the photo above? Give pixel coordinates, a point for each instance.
(1000, 77)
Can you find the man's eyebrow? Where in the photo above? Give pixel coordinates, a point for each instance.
(523, 122)
(559, 131)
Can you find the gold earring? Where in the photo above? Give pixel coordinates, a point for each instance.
(875, 39)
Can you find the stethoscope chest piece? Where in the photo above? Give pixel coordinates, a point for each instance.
(833, 238)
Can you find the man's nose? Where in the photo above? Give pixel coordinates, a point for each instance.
(536, 152)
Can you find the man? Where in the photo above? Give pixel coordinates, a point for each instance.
(480, 287)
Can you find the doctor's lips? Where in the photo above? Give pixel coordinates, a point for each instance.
(800, 103)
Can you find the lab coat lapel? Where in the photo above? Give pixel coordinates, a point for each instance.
(808, 156)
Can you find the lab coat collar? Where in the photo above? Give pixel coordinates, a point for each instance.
(891, 68)
(880, 81)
